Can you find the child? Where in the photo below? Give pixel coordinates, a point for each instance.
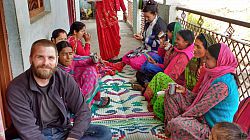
(227, 131)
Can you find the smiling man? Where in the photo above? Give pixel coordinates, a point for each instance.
(40, 99)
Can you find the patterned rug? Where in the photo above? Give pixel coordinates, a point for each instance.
(127, 115)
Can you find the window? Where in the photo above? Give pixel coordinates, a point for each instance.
(35, 7)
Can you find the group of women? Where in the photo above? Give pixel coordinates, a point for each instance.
(77, 60)
(202, 71)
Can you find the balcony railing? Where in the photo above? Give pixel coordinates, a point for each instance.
(240, 48)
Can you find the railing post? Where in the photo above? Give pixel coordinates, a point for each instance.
(164, 2)
(136, 18)
(167, 10)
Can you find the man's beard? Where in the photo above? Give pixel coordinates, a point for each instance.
(42, 73)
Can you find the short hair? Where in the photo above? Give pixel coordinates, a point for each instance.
(56, 33)
(44, 43)
(228, 131)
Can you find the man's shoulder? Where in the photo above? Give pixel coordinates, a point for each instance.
(21, 80)
(18, 85)
(61, 74)
(63, 77)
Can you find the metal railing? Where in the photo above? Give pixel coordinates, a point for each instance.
(239, 48)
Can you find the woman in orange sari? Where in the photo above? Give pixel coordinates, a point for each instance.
(108, 28)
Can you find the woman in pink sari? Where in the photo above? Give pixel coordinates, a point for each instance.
(108, 28)
(83, 71)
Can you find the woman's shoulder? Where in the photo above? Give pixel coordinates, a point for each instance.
(161, 24)
(160, 20)
(227, 79)
(226, 76)
(70, 37)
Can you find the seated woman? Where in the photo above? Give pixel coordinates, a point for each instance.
(84, 72)
(59, 35)
(76, 34)
(151, 67)
(176, 61)
(193, 70)
(191, 115)
(153, 26)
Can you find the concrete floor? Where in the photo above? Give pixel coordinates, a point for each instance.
(127, 40)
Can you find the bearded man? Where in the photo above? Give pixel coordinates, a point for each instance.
(41, 99)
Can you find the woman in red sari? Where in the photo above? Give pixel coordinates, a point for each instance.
(108, 28)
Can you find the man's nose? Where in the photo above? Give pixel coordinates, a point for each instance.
(46, 61)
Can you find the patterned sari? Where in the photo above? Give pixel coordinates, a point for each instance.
(84, 72)
(108, 30)
(192, 115)
(160, 83)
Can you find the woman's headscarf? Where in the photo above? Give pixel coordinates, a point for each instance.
(174, 27)
(226, 63)
(191, 71)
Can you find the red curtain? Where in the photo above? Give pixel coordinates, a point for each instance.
(71, 11)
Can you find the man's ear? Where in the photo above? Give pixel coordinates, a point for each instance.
(30, 59)
(57, 59)
(53, 40)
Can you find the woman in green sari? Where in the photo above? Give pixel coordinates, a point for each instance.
(192, 72)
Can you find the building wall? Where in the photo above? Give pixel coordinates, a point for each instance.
(13, 37)
(57, 17)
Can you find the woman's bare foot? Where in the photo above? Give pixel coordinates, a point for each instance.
(136, 86)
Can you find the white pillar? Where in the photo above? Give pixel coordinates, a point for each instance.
(77, 8)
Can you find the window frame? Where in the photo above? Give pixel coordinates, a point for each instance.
(36, 12)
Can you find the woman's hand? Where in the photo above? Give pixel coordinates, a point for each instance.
(180, 89)
(100, 59)
(138, 36)
(162, 41)
(87, 37)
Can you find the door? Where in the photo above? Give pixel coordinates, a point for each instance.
(5, 71)
(71, 11)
